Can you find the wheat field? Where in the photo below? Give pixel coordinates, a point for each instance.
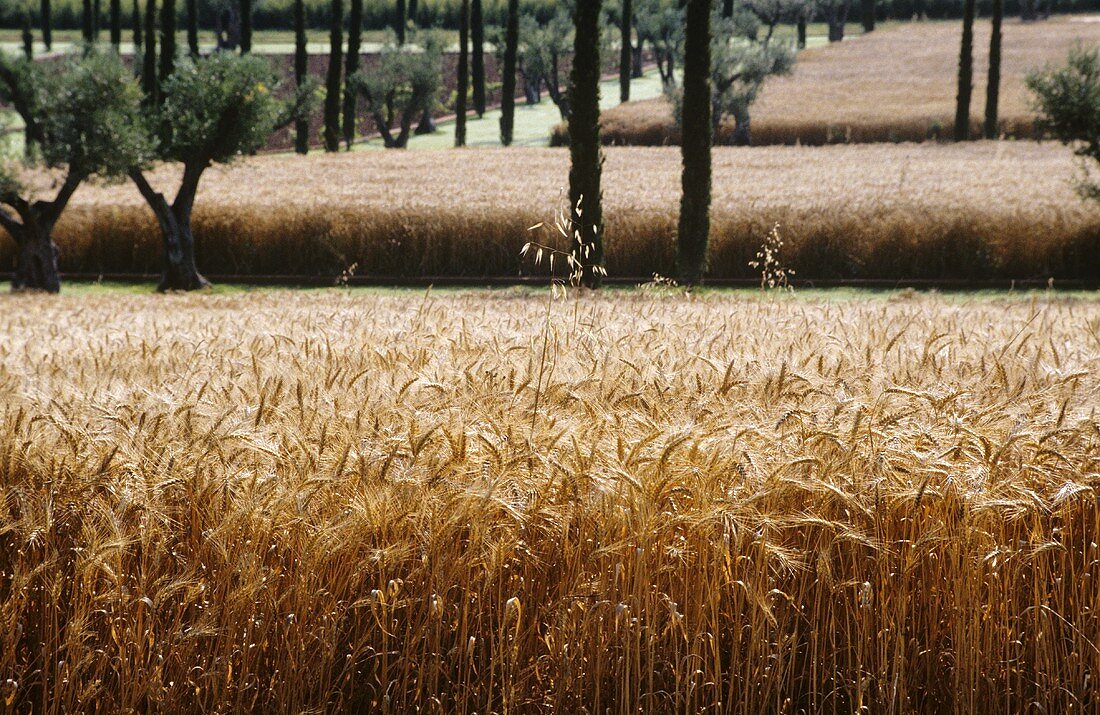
(896, 84)
(491, 502)
(976, 211)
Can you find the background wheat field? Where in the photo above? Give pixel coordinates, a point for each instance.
(982, 210)
(895, 84)
(491, 502)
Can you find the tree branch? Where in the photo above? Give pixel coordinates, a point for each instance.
(8, 222)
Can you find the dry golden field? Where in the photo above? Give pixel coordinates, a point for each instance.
(981, 210)
(458, 503)
(897, 84)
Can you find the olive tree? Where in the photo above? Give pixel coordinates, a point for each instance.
(215, 109)
(541, 47)
(660, 23)
(403, 85)
(739, 67)
(83, 118)
(1068, 101)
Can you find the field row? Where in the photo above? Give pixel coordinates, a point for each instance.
(982, 210)
(289, 502)
(896, 84)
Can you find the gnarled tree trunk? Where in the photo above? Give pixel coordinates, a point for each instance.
(180, 270)
(36, 253)
(35, 261)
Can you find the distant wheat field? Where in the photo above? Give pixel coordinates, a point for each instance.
(896, 84)
(976, 211)
(487, 502)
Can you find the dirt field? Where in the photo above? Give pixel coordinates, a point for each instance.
(290, 502)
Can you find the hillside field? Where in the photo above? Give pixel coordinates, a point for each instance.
(975, 211)
(487, 502)
(895, 84)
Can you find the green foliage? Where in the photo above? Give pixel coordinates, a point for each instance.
(1068, 101)
(85, 116)
(219, 107)
(404, 83)
(739, 67)
(10, 186)
(660, 24)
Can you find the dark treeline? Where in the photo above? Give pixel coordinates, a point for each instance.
(378, 14)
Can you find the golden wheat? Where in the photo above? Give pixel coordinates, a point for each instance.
(294, 502)
(982, 210)
(892, 85)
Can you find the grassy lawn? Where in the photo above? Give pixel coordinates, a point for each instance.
(533, 123)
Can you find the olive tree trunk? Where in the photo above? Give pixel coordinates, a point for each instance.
(180, 271)
(35, 262)
(585, 172)
(36, 265)
(837, 17)
(868, 12)
(694, 227)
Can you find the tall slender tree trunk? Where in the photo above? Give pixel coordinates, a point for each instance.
(585, 172)
(966, 74)
(87, 28)
(355, 36)
(28, 37)
(116, 23)
(477, 58)
(694, 228)
(868, 8)
(97, 17)
(149, 62)
(626, 52)
(246, 26)
(167, 42)
(508, 88)
(47, 24)
(139, 41)
(301, 69)
(193, 28)
(993, 84)
(801, 32)
(400, 21)
(463, 73)
(334, 78)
